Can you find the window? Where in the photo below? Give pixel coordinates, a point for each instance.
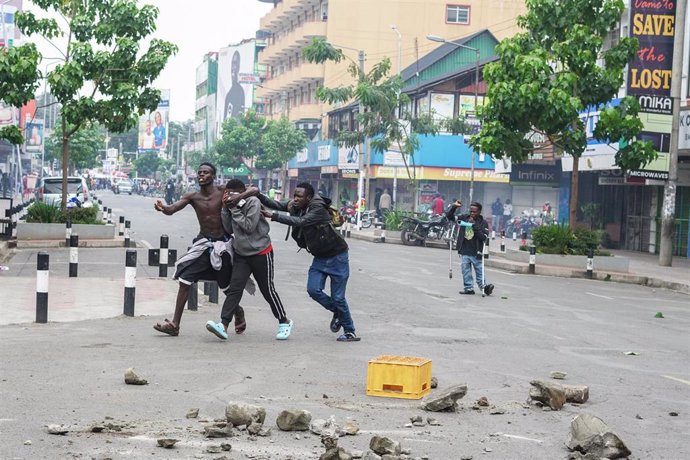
(457, 14)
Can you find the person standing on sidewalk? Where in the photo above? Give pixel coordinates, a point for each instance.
(507, 212)
(312, 230)
(385, 203)
(472, 235)
(253, 256)
(208, 258)
(496, 213)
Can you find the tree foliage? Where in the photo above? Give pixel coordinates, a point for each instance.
(280, 142)
(105, 77)
(84, 145)
(19, 77)
(548, 75)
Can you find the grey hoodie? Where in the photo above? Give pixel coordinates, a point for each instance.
(248, 226)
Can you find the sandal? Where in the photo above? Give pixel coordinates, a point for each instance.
(240, 323)
(167, 327)
(284, 330)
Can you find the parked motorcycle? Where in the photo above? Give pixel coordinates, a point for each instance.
(415, 232)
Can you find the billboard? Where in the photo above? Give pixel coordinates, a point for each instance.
(34, 135)
(235, 91)
(153, 127)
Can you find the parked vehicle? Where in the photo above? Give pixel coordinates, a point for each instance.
(123, 186)
(49, 191)
(416, 232)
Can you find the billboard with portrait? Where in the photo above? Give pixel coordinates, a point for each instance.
(153, 127)
(235, 88)
(34, 135)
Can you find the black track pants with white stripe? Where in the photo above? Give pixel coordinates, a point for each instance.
(261, 266)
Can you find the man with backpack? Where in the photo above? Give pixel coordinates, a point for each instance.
(312, 229)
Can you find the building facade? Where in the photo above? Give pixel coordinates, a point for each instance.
(205, 125)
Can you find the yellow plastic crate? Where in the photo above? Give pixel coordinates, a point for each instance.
(405, 377)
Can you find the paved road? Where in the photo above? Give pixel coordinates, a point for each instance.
(404, 304)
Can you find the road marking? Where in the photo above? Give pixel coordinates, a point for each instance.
(599, 295)
(676, 379)
(146, 244)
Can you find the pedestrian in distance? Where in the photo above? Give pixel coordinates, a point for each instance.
(507, 212)
(312, 230)
(253, 255)
(385, 203)
(437, 205)
(473, 233)
(209, 257)
(496, 213)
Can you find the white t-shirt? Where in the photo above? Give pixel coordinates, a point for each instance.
(507, 209)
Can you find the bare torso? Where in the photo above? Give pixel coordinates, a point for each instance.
(207, 207)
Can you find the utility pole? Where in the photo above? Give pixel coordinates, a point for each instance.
(669, 207)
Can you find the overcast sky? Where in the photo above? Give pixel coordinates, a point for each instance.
(196, 27)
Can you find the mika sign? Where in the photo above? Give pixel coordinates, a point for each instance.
(653, 24)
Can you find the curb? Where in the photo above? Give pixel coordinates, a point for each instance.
(6, 253)
(35, 244)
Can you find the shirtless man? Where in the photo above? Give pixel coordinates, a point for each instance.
(208, 258)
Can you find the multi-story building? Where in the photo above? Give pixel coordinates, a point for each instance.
(205, 107)
(381, 28)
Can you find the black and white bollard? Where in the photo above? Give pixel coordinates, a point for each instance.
(207, 287)
(485, 249)
(531, 269)
(128, 233)
(493, 234)
(193, 297)
(383, 232)
(68, 232)
(503, 241)
(213, 292)
(110, 215)
(104, 214)
(121, 228)
(514, 235)
(42, 278)
(347, 231)
(130, 281)
(590, 264)
(163, 257)
(73, 256)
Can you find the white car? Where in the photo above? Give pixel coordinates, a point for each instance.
(50, 190)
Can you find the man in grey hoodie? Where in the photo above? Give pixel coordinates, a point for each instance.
(253, 255)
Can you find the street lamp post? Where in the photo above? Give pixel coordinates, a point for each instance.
(395, 168)
(436, 38)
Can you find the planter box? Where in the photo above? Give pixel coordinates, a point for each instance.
(36, 231)
(601, 263)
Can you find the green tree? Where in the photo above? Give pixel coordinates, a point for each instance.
(546, 76)
(147, 164)
(83, 145)
(105, 77)
(240, 139)
(279, 143)
(19, 77)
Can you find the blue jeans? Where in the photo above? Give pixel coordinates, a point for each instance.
(466, 264)
(338, 269)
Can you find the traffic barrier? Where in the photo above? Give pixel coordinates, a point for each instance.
(531, 269)
(104, 213)
(163, 257)
(130, 281)
(503, 241)
(68, 232)
(73, 255)
(212, 291)
(514, 236)
(383, 232)
(485, 249)
(128, 232)
(42, 279)
(110, 215)
(121, 228)
(590, 264)
(493, 234)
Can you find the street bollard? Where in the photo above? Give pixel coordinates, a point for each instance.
(485, 249)
(110, 216)
(68, 232)
(42, 278)
(503, 241)
(163, 257)
(130, 281)
(493, 234)
(193, 297)
(590, 264)
(207, 287)
(104, 214)
(514, 235)
(383, 232)
(121, 228)
(128, 233)
(347, 231)
(73, 256)
(531, 269)
(213, 292)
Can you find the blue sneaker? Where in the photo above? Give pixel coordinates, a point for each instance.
(284, 330)
(217, 329)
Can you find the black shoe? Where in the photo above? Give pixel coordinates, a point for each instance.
(488, 289)
(335, 323)
(348, 337)
(470, 292)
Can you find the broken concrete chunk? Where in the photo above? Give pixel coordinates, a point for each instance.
(213, 431)
(254, 428)
(445, 400)
(369, 455)
(350, 428)
(434, 382)
(558, 375)
(244, 414)
(483, 402)
(131, 378)
(57, 429)
(383, 445)
(294, 420)
(590, 435)
(337, 453)
(550, 394)
(167, 443)
(192, 413)
(578, 394)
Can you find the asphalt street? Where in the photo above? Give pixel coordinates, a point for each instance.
(403, 303)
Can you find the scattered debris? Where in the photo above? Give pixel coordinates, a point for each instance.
(192, 413)
(97, 428)
(497, 411)
(446, 400)
(432, 421)
(607, 277)
(350, 428)
(255, 428)
(382, 445)
(590, 435)
(226, 447)
(213, 449)
(673, 414)
(167, 443)
(213, 431)
(27, 442)
(244, 414)
(369, 455)
(434, 382)
(550, 394)
(639, 417)
(558, 375)
(131, 378)
(659, 315)
(631, 353)
(483, 402)
(294, 420)
(578, 394)
(336, 454)
(57, 429)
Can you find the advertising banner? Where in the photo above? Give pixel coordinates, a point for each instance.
(153, 127)
(348, 158)
(34, 135)
(235, 87)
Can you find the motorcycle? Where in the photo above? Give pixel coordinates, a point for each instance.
(415, 232)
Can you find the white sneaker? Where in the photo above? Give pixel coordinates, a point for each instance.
(284, 330)
(217, 329)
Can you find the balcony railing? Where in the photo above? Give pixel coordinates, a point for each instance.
(292, 43)
(297, 77)
(284, 12)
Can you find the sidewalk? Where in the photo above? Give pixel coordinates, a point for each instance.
(644, 268)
